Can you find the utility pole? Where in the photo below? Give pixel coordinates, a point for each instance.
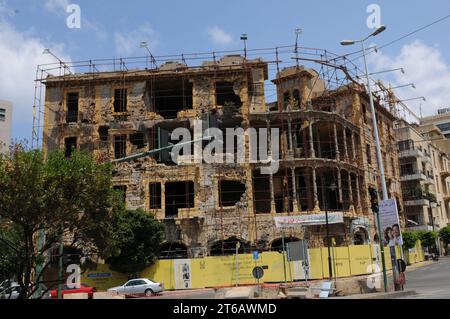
(244, 38)
(377, 144)
(60, 261)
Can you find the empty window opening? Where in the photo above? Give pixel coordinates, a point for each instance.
(120, 100)
(226, 97)
(296, 99)
(70, 144)
(368, 154)
(286, 97)
(122, 189)
(172, 96)
(277, 244)
(364, 113)
(155, 195)
(228, 247)
(72, 108)
(138, 140)
(261, 193)
(173, 250)
(103, 132)
(230, 192)
(178, 195)
(282, 185)
(327, 190)
(120, 146)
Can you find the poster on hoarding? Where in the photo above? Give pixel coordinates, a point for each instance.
(390, 223)
(182, 273)
(308, 220)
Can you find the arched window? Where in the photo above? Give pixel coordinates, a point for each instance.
(228, 247)
(277, 244)
(173, 250)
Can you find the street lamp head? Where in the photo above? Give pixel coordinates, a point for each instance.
(298, 31)
(347, 42)
(244, 36)
(144, 44)
(379, 30)
(46, 51)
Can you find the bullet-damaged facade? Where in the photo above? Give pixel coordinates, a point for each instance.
(327, 158)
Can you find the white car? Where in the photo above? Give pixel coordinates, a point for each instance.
(138, 287)
(11, 292)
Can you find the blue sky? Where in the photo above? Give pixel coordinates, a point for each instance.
(115, 28)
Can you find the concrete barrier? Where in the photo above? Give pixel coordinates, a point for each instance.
(107, 295)
(241, 293)
(82, 295)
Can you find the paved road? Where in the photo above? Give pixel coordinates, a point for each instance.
(431, 281)
(188, 294)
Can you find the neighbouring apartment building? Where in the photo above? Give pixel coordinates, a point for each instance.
(425, 176)
(441, 120)
(327, 159)
(5, 125)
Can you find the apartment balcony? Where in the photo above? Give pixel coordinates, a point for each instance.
(419, 227)
(410, 153)
(417, 202)
(414, 176)
(446, 197)
(445, 174)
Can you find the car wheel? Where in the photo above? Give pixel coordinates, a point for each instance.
(149, 293)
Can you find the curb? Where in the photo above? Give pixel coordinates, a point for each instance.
(381, 295)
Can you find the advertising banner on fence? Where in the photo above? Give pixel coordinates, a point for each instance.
(390, 222)
(308, 220)
(182, 273)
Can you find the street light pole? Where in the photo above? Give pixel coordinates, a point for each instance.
(375, 127)
(244, 38)
(330, 264)
(377, 144)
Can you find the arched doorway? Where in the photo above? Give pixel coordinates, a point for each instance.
(173, 250)
(228, 247)
(360, 236)
(277, 244)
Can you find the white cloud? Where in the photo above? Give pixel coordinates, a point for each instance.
(219, 36)
(56, 6)
(127, 44)
(426, 68)
(20, 54)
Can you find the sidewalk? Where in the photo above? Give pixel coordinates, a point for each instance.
(380, 295)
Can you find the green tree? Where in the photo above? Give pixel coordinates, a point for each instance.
(138, 236)
(58, 197)
(428, 238)
(444, 233)
(409, 239)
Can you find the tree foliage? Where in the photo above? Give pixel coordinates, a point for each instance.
(138, 236)
(409, 239)
(444, 233)
(70, 198)
(427, 238)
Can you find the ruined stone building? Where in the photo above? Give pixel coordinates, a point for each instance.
(327, 152)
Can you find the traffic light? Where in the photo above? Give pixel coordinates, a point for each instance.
(373, 199)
